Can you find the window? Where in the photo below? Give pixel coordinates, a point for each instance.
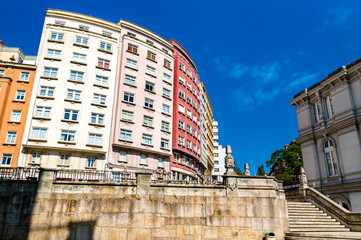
(216, 162)
(67, 136)
(176, 157)
(160, 162)
(131, 63)
(125, 135)
(143, 159)
(71, 115)
(166, 63)
(11, 137)
(64, 160)
(147, 121)
(105, 46)
(147, 139)
(102, 63)
(2, 72)
(189, 99)
(185, 160)
(182, 67)
(181, 108)
(24, 76)
(167, 78)
(39, 133)
(194, 147)
(165, 109)
(102, 81)
(97, 118)
(86, 28)
(166, 93)
(149, 103)
(99, 99)
(15, 116)
(127, 116)
(130, 80)
(181, 140)
(189, 86)
(50, 72)
(150, 70)
(91, 162)
(46, 91)
(216, 169)
(73, 95)
(330, 156)
(77, 57)
(181, 94)
(189, 144)
(315, 111)
(53, 54)
(165, 126)
(122, 156)
(35, 158)
(151, 56)
(150, 42)
(189, 129)
(132, 48)
(43, 112)
(194, 118)
(61, 23)
(6, 159)
(95, 139)
(20, 95)
(57, 36)
(180, 124)
(182, 80)
(128, 97)
(194, 104)
(189, 113)
(149, 86)
(131, 34)
(76, 76)
(164, 143)
(327, 103)
(194, 132)
(189, 73)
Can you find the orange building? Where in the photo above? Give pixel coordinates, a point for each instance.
(17, 73)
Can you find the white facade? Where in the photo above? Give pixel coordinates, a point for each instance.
(329, 115)
(70, 111)
(142, 120)
(219, 153)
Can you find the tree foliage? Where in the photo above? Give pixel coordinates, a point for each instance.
(260, 171)
(286, 163)
(237, 170)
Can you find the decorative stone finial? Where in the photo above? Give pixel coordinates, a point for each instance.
(229, 161)
(246, 171)
(303, 178)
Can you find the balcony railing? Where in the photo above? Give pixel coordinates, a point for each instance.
(160, 176)
(19, 173)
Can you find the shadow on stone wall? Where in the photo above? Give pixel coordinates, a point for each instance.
(81, 230)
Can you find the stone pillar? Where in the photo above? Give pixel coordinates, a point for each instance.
(46, 178)
(143, 182)
(230, 177)
(246, 170)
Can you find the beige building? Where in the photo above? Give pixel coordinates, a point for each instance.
(69, 118)
(329, 120)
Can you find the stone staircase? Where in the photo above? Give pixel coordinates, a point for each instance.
(309, 222)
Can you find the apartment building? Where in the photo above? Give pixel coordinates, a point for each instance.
(17, 72)
(141, 135)
(68, 124)
(186, 159)
(206, 131)
(329, 121)
(219, 154)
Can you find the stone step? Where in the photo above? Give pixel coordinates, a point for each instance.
(309, 217)
(323, 235)
(303, 210)
(310, 225)
(313, 220)
(317, 213)
(314, 223)
(320, 229)
(299, 203)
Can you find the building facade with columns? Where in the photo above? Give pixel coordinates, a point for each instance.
(17, 72)
(141, 135)
(329, 121)
(69, 118)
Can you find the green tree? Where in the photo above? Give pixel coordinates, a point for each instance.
(260, 171)
(237, 170)
(286, 163)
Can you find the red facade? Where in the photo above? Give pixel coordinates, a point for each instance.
(186, 116)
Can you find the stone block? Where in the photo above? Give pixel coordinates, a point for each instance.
(139, 234)
(209, 233)
(257, 224)
(227, 232)
(243, 222)
(137, 220)
(268, 224)
(214, 221)
(109, 233)
(106, 220)
(12, 218)
(122, 219)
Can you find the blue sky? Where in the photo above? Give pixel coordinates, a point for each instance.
(253, 56)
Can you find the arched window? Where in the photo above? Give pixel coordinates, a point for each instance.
(330, 156)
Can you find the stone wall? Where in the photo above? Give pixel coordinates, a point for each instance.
(245, 208)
